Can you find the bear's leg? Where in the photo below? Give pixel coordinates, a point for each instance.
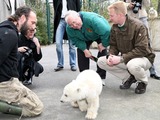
(74, 104)
(93, 105)
(82, 105)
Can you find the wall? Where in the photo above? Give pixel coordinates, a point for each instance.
(155, 33)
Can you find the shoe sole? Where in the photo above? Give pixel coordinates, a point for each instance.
(56, 70)
(138, 92)
(73, 69)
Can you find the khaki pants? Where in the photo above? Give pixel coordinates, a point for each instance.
(13, 91)
(137, 67)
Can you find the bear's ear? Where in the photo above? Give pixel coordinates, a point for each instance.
(78, 90)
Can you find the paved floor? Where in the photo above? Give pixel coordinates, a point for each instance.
(115, 104)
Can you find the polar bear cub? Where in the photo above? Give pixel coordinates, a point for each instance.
(84, 92)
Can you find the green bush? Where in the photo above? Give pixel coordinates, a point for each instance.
(40, 8)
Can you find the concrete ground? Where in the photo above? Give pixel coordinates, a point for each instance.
(115, 104)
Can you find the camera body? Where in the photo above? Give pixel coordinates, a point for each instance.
(137, 5)
(28, 52)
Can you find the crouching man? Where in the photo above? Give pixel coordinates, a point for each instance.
(130, 55)
(29, 53)
(15, 98)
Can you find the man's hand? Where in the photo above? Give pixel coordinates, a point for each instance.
(131, 5)
(35, 40)
(22, 49)
(113, 60)
(101, 47)
(87, 53)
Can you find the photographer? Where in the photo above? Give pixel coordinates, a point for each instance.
(142, 15)
(28, 55)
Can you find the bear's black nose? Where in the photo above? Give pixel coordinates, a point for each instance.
(61, 101)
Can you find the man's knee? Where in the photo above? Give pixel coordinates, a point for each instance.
(38, 68)
(133, 68)
(102, 62)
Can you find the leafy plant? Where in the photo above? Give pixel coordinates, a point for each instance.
(40, 8)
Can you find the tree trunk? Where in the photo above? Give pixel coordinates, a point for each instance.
(158, 8)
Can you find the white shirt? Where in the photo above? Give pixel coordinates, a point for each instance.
(64, 8)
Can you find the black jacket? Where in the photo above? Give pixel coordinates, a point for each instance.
(29, 59)
(57, 4)
(8, 51)
(23, 41)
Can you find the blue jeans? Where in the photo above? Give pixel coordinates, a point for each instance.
(59, 48)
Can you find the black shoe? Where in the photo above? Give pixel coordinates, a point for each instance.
(155, 76)
(141, 88)
(73, 68)
(128, 83)
(58, 69)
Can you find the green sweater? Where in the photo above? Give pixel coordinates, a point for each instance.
(95, 27)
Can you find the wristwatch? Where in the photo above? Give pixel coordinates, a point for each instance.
(121, 60)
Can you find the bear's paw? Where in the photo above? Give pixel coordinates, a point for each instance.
(91, 115)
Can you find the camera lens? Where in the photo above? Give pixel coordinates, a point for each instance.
(28, 52)
(136, 8)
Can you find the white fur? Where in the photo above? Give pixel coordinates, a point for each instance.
(152, 13)
(84, 92)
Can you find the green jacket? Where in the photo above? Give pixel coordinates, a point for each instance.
(95, 27)
(131, 40)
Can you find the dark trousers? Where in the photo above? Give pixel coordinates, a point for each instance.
(84, 63)
(30, 65)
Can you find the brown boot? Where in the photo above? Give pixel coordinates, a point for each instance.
(141, 88)
(127, 84)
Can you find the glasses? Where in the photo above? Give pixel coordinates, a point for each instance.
(72, 24)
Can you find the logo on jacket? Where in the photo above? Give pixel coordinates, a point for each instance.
(89, 30)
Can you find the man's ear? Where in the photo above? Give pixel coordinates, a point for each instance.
(22, 18)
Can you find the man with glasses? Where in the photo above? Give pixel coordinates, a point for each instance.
(84, 28)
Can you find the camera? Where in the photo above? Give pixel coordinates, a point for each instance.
(137, 5)
(28, 52)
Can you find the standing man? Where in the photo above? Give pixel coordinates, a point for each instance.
(141, 14)
(60, 9)
(84, 28)
(130, 54)
(12, 91)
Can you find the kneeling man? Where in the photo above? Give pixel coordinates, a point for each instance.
(129, 54)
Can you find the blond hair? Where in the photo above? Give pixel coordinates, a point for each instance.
(119, 7)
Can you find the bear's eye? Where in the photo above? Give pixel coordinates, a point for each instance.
(66, 95)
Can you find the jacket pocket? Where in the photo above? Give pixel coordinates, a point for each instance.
(126, 43)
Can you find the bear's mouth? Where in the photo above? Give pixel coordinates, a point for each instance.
(84, 99)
